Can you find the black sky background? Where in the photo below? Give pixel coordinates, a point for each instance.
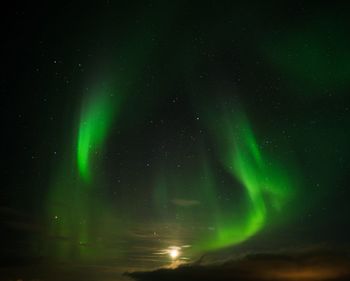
(48, 52)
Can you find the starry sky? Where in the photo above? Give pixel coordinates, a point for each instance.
(139, 136)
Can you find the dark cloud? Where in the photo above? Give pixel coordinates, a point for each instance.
(18, 220)
(301, 266)
(185, 202)
(43, 271)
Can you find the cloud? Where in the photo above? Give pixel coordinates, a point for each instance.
(17, 220)
(45, 270)
(185, 202)
(305, 266)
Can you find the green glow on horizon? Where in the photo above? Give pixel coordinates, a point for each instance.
(96, 118)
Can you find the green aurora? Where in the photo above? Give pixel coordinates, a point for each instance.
(76, 209)
(263, 181)
(267, 186)
(96, 118)
(313, 56)
(216, 129)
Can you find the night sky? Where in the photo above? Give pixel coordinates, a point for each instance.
(173, 133)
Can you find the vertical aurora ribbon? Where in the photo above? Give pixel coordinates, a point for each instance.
(76, 213)
(96, 118)
(266, 184)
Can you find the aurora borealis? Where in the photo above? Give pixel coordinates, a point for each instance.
(174, 134)
(93, 127)
(265, 183)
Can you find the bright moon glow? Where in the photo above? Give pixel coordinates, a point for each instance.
(174, 253)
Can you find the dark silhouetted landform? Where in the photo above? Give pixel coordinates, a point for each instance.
(310, 266)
